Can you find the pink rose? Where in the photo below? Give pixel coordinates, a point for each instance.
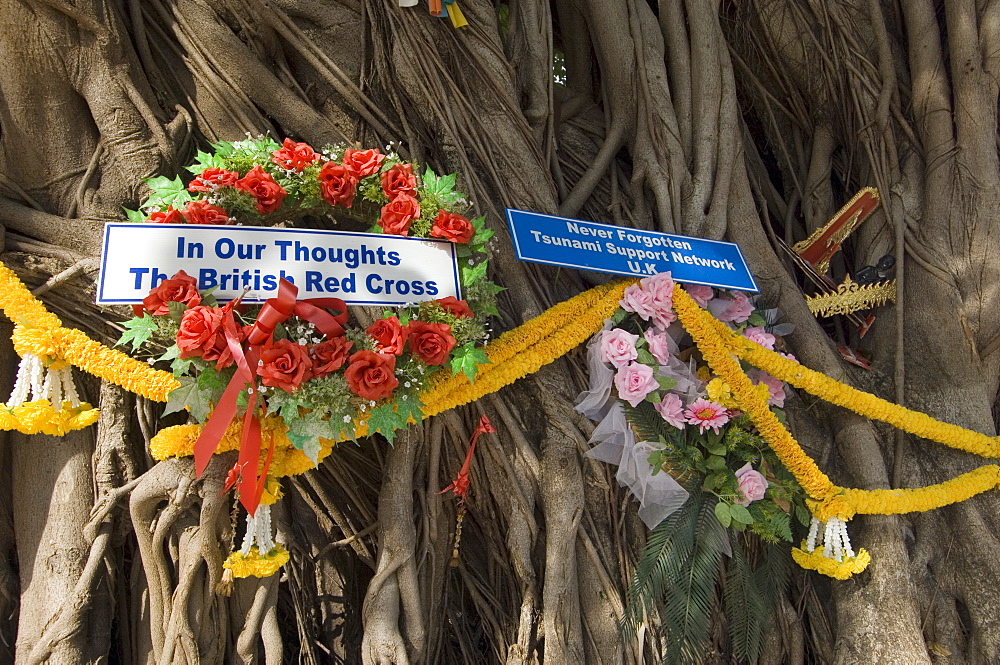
(636, 300)
(659, 345)
(757, 334)
(736, 310)
(634, 382)
(618, 347)
(661, 297)
(700, 293)
(753, 484)
(671, 408)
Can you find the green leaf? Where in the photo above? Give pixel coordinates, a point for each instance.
(718, 449)
(646, 358)
(756, 319)
(467, 359)
(177, 310)
(212, 381)
(411, 407)
(740, 514)
(167, 192)
(385, 420)
(205, 160)
(666, 383)
(135, 216)
(472, 274)
(188, 396)
(653, 397)
(744, 606)
(138, 330)
(173, 352)
(715, 462)
(723, 513)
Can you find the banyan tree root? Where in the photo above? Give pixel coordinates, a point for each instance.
(393, 613)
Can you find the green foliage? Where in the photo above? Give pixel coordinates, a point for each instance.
(676, 577)
(167, 192)
(744, 606)
(467, 359)
(138, 330)
(189, 396)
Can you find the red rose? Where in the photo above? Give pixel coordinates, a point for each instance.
(259, 184)
(203, 212)
(399, 180)
(294, 156)
(398, 214)
(182, 288)
(457, 308)
(431, 342)
(285, 365)
(168, 216)
(453, 227)
(370, 375)
(217, 348)
(211, 179)
(389, 335)
(363, 163)
(330, 355)
(199, 326)
(337, 184)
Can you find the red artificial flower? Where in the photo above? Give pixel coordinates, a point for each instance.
(457, 308)
(182, 288)
(430, 342)
(294, 156)
(217, 348)
(285, 365)
(199, 327)
(330, 355)
(168, 216)
(371, 375)
(452, 227)
(363, 163)
(389, 335)
(259, 184)
(399, 180)
(337, 184)
(203, 212)
(398, 214)
(211, 179)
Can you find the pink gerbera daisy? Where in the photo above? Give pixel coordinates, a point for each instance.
(706, 415)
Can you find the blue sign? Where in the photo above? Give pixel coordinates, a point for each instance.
(573, 243)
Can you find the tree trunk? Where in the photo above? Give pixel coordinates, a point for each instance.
(748, 121)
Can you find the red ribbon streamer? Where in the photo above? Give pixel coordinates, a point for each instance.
(275, 311)
(460, 486)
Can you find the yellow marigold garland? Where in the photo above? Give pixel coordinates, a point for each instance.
(840, 570)
(256, 564)
(719, 356)
(76, 348)
(20, 306)
(525, 349)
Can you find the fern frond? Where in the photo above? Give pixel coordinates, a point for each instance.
(744, 605)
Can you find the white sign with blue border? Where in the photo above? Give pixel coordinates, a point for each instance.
(358, 268)
(573, 243)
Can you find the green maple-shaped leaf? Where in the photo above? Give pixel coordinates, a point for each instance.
(408, 408)
(466, 359)
(441, 188)
(385, 420)
(138, 330)
(167, 192)
(188, 396)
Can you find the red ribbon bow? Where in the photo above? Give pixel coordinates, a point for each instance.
(275, 311)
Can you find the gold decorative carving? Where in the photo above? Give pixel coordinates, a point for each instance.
(851, 297)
